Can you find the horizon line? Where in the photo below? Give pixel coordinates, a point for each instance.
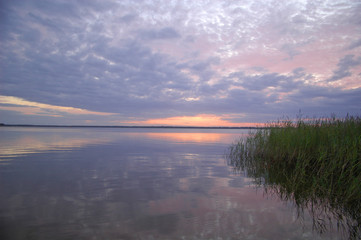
(126, 126)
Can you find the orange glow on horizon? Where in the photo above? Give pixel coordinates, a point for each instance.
(201, 120)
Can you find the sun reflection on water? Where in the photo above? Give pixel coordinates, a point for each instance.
(49, 139)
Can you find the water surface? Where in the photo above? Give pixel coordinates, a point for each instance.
(101, 183)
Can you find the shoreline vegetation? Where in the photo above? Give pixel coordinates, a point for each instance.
(315, 163)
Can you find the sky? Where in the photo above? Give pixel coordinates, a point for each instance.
(189, 63)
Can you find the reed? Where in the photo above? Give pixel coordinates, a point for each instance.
(314, 162)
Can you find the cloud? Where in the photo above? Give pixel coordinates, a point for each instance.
(164, 33)
(344, 66)
(290, 50)
(354, 45)
(35, 108)
(128, 18)
(146, 60)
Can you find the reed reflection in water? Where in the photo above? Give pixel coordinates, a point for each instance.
(67, 183)
(330, 211)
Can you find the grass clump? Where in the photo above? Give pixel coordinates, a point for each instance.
(315, 162)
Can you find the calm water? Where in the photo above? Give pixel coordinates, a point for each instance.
(96, 183)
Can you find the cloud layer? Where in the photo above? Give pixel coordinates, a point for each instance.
(140, 61)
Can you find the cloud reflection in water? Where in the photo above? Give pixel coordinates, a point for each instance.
(135, 184)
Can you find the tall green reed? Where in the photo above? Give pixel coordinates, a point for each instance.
(314, 162)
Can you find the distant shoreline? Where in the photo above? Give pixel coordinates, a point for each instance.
(99, 126)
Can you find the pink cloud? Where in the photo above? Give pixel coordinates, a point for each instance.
(34, 108)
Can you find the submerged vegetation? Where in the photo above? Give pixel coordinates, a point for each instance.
(314, 162)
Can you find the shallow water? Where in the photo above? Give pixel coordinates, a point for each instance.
(102, 183)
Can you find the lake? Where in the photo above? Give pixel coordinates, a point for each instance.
(114, 183)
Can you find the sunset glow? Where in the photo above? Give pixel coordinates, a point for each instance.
(202, 120)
